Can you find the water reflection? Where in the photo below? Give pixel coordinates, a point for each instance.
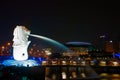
(71, 72)
(107, 76)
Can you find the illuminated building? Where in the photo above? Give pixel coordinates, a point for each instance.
(109, 46)
(112, 46)
(80, 48)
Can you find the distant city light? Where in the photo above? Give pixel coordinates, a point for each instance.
(110, 41)
(8, 43)
(3, 47)
(102, 36)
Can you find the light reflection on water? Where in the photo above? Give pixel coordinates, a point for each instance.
(104, 76)
(70, 72)
(107, 76)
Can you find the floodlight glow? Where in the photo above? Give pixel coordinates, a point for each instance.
(25, 63)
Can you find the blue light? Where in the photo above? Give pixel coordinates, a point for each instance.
(25, 63)
(116, 55)
(39, 59)
(32, 61)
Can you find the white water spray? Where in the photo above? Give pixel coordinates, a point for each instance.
(50, 40)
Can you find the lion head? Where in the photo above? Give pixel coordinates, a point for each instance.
(21, 34)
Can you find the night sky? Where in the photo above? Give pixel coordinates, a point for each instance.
(61, 20)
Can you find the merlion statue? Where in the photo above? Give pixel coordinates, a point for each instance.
(20, 43)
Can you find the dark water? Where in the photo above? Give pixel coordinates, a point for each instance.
(43, 73)
(108, 76)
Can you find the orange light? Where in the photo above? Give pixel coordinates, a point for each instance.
(3, 47)
(8, 43)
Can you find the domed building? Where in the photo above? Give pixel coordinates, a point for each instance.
(80, 48)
